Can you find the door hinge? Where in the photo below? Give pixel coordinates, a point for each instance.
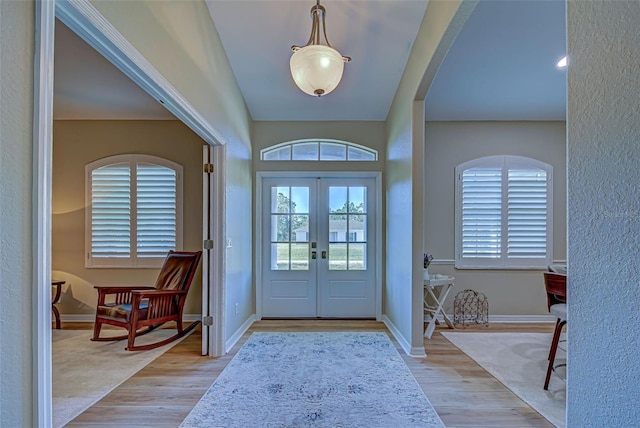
(208, 168)
(207, 320)
(207, 244)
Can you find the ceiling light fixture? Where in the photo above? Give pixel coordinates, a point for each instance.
(562, 63)
(315, 67)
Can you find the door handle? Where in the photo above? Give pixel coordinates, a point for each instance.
(314, 255)
(324, 254)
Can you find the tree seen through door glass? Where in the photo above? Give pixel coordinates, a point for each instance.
(289, 228)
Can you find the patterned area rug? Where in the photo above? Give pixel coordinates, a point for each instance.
(84, 371)
(336, 379)
(519, 361)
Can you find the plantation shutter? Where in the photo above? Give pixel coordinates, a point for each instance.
(503, 213)
(156, 210)
(111, 211)
(481, 212)
(527, 214)
(135, 215)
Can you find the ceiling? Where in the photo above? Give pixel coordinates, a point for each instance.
(500, 67)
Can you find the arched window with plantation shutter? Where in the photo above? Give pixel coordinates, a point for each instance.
(133, 211)
(503, 213)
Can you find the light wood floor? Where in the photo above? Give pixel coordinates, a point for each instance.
(462, 392)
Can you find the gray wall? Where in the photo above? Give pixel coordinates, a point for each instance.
(404, 168)
(603, 130)
(448, 144)
(16, 162)
(195, 63)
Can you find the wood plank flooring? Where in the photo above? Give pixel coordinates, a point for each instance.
(164, 392)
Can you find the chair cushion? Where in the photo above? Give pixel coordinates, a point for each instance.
(559, 310)
(121, 312)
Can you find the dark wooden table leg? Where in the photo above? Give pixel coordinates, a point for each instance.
(55, 299)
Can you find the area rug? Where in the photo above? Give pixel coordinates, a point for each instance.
(519, 361)
(83, 371)
(330, 379)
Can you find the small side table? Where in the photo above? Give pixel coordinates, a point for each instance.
(437, 288)
(55, 299)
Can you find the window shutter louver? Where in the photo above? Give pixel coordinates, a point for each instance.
(481, 212)
(111, 211)
(527, 214)
(135, 214)
(156, 210)
(503, 213)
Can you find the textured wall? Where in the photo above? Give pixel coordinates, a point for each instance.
(603, 130)
(16, 142)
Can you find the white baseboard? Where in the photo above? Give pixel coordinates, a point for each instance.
(404, 344)
(511, 318)
(521, 318)
(238, 334)
(91, 317)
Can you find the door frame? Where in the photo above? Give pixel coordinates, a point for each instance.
(262, 175)
(84, 20)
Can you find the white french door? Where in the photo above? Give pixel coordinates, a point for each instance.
(318, 248)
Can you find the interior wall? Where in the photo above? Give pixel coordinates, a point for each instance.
(17, 45)
(448, 144)
(77, 143)
(603, 134)
(181, 42)
(403, 290)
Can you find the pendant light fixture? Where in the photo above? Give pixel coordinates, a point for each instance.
(316, 67)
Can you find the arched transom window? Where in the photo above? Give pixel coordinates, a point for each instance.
(318, 150)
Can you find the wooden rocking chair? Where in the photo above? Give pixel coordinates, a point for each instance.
(147, 308)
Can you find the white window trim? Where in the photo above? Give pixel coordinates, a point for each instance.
(319, 141)
(503, 262)
(133, 261)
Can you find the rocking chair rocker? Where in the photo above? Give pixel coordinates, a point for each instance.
(147, 308)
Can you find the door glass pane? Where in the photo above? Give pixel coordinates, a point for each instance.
(337, 228)
(299, 256)
(337, 256)
(337, 199)
(287, 227)
(358, 228)
(280, 199)
(279, 256)
(357, 199)
(300, 200)
(305, 151)
(357, 259)
(300, 228)
(279, 228)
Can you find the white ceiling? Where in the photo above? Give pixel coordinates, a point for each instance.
(500, 67)
(87, 86)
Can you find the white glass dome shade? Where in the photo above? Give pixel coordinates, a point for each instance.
(317, 69)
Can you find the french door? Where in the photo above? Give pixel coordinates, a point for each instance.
(318, 248)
